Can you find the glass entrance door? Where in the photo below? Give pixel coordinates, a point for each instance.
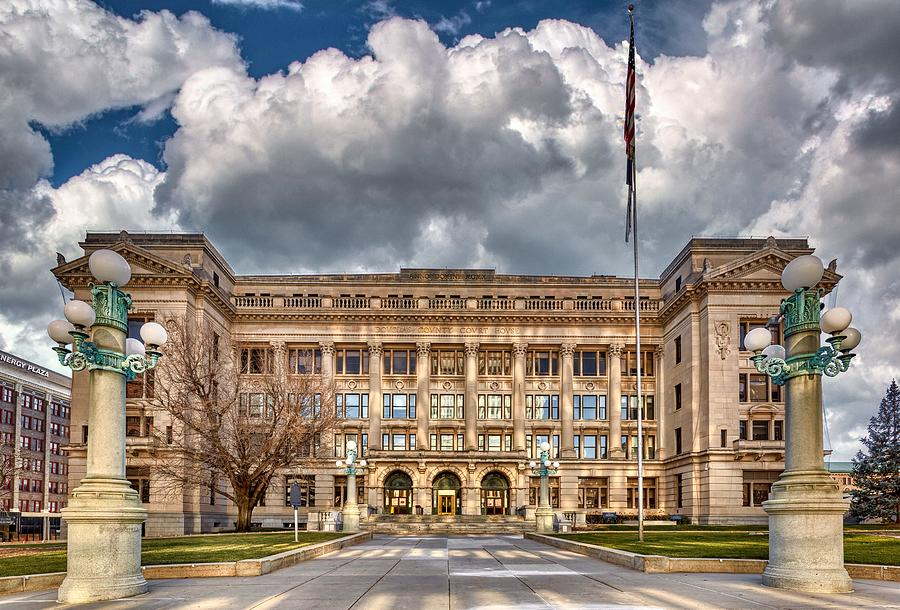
(446, 502)
(495, 501)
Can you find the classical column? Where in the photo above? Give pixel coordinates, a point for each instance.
(376, 402)
(278, 357)
(567, 388)
(614, 400)
(660, 401)
(518, 398)
(423, 395)
(471, 405)
(327, 348)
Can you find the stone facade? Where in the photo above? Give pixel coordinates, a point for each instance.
(494, 364)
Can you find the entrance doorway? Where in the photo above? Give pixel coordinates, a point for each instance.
(494, 494)
(446, 494)
(398, 494)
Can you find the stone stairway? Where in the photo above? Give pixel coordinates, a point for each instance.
(446, 524)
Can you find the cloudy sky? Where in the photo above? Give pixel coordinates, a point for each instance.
(342, 135)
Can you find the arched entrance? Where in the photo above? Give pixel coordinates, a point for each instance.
(446, 496)
(398, 493)
(494, 494)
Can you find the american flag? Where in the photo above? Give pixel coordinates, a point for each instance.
(629, 124)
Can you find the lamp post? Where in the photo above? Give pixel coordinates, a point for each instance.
(105, 514)
(805, 506)
(350, 513)
(544, 468)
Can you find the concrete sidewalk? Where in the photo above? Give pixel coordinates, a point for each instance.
(483, 572)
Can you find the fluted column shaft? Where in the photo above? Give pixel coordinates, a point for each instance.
(376, 402)
(520, 350)
(614, 404)
(423, 395)
(660, 402)
(566, 406)
(471, 406)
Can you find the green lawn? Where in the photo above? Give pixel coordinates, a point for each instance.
(37, 559)
(859, 546)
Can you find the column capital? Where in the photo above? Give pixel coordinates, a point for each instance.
(327, 347)
(616, 350)
(660, 350)
(567, 350)
(471, 349)
(277, 346)
(520, 349)
(375, 350)
(423, 348)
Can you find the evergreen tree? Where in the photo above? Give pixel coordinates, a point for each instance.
(877, 474)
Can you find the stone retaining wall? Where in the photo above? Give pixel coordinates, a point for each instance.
(661, 563)
(245, 567)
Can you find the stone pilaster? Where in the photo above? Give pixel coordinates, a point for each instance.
(566, 406)
(423, 395)
(279, 354)
(659, 401)
(471, 406)
(614, 400)
(520, 350)
(376, 403)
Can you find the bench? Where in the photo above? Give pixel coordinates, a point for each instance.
(678, 519)
(609, 518)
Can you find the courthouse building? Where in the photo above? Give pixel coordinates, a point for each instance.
(450, 379)
(34, 428)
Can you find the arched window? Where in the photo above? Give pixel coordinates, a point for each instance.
(398, 493)
(446, 496)
(494, 494)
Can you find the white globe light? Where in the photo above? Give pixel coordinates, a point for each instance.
(351, 445)
(133, 347)
(547, 463)
(532, 464)
(775, 351)
(154, 334)
(556, 464)
(545, 446)
(363, 463)
(802, 272)
(80, 313)
(852, 339)
(59, 331)
(835, 320)
(758, 339)
(109, 266)
(338, 463)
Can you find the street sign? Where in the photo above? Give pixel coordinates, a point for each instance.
(295, 495)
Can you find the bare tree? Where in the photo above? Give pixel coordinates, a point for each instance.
(232, 431)
(10, 468)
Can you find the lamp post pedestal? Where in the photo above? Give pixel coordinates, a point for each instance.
(543, 516)
(351, 508)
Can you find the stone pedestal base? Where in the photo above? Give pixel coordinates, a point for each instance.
(806, 535)
(104, 543)
(351, 518)
(543, 517)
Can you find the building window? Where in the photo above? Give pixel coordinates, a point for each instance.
(593, 492)
(677, 350)
(215, 279)
(745, 326)
(589, 446)
(142, 486)
(679, 486)
(351, 406)
(646, 364)
(590, 363)
(494, 363)
(589, 406)
(257, 406)
(677, 396)
(629, 408)
(494, 406)
(399, 406)
(307, 484)
(305, 361)
(757, 388)
(761, 430)
(742, 429)
(678, 441)
(447, 406)
(756, 487)
(399, 362)
(534, 491)
(533, 444)
(542, 362)
(677, 283)
(649, 492)
(447, 362)
(779, 430)
(542, 407)
(351, 361)
(255, 361)
(340, 490)
(723, 437)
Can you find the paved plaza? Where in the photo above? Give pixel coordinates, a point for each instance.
(473, 572)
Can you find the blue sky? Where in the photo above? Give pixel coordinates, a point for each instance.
(270, 39)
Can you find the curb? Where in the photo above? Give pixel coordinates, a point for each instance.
(655, 564)
(244, 567)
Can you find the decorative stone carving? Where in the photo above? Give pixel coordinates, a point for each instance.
(495, 385)
(616, 350)
(542, 385)
(471, 349)
(423, 349)
(327, 348)
(589, 386)
(186, 261)
(277, 347)
(707, 265)
(351, 384)
(399, 384)
(660, 351)
(520, 349)
(375, 350)
(447, 385)
(832, 266)
(771, 242)
(567, 350)
(723, 338)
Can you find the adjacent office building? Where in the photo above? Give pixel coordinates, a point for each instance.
(450, 380)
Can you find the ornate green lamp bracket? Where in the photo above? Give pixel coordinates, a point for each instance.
(544, 471)
(351, 468)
